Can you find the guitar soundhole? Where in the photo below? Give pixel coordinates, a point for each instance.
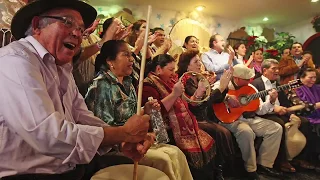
(243, 100)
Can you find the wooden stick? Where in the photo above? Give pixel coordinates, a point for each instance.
(135, 170)
(141, 77)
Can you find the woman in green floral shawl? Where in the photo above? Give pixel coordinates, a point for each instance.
(112, 98)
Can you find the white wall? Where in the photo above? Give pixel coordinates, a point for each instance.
(166, 18)
(301, 30)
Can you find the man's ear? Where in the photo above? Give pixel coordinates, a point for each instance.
(263, 70)
(35, 24)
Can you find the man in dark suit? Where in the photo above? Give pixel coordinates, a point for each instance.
(270, 71)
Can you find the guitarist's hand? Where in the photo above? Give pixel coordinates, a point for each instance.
(273, 96)
(233, 101)
(280, 110)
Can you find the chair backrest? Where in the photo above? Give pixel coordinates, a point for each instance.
(5, 37)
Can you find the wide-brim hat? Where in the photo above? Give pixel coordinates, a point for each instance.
(243, 72)
(22, 19)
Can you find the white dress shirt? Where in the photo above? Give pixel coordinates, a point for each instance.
(45, 126)
(268, 85)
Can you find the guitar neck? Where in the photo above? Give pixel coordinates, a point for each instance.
(265, 92)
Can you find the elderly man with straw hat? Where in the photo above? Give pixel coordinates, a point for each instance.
(46, 129)
(248, 126)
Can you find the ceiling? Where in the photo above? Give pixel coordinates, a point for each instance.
(279, 12)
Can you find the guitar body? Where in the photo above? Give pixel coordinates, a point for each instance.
(227, 114)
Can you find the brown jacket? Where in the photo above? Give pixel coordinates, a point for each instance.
(288, 68)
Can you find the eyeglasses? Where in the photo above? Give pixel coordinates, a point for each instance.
(68, 22)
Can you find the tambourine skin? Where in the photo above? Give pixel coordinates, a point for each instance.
(200, 77)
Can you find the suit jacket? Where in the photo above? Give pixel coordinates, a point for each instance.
(282, 97)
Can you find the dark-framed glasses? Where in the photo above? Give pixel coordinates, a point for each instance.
(68, 22)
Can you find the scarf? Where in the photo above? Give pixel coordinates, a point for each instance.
(197, 145)
(257, 67)
(311, 95)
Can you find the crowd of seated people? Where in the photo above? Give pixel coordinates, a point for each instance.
(55, 128)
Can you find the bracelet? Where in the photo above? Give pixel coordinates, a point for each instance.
(99, 45)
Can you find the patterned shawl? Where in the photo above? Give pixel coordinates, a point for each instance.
(311, 95)
(195, 143)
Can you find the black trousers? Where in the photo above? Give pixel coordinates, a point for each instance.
(81, 172)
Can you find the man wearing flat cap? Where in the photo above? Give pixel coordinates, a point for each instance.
(248, 126)
(45, 126)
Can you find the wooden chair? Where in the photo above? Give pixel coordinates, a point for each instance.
(5, 37)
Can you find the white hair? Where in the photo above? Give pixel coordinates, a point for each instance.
(43, 22)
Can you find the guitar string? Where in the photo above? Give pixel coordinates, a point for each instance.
(265, 92)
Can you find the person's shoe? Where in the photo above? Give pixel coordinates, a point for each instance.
(253, 176)
(219, 173)
(287, 167)
(269, 171)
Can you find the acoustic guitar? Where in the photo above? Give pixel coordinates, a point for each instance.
(249, 101)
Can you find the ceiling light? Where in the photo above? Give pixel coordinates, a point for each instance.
(200, 8)
(314, 0)
(265, 19)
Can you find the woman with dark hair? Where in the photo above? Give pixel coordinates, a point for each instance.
(135, 49)
(191, 42)
(83, 62)
(256, 62)
(285, 52)
(190, 61)
(240, 51)
(183, 128)
(112, 98)
(310, 93)
(105, 26)
(137, 28)
(113, 64)
(309, 96)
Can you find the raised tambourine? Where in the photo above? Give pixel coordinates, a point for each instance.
(195, 78)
